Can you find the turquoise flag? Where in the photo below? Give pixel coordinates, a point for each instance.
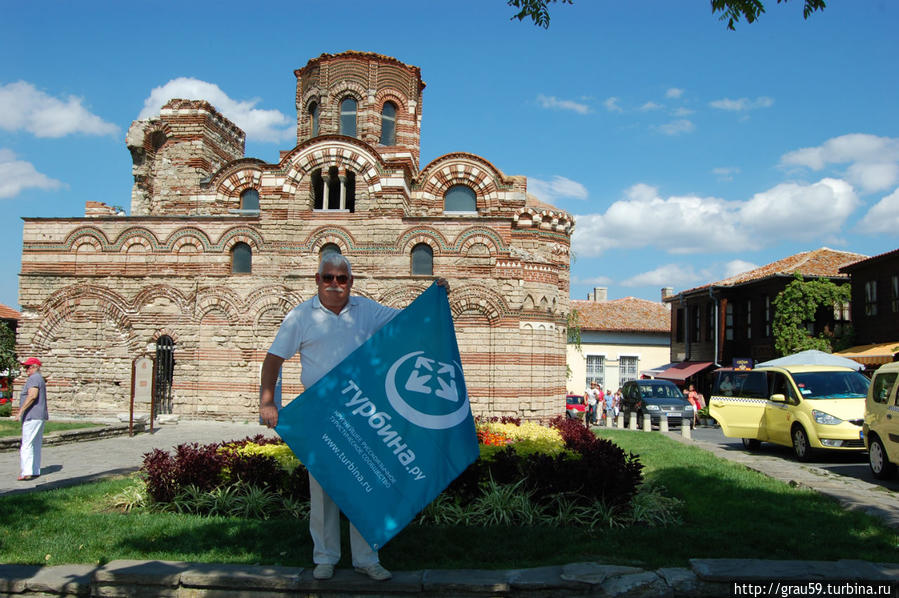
(390, 427)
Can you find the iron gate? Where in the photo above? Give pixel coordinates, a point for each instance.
(165, 370)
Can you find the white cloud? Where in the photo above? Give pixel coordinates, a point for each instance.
(611, 104)
(592, 281)
(555, 103)
(742, 104)
(674, 93)
(725, 173)
(557, 188)
(883, 217)
(650, 106)
(692, 224)
(799, 211)
(734, 267)
(676, 127)
(258, 124)
(873, 161)
(16, 175)
(668, 275)
(24, 107)
(681, 112)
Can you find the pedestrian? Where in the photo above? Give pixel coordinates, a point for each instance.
(324, 330)
(693, 398)
(610, 407)
(616, 401)
(33, 414)
(592, 402)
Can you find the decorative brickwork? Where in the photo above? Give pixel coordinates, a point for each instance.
(100, 291)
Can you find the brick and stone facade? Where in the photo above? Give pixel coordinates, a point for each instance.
(100, 291)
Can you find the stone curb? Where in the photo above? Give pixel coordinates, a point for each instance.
(705, 577)
(12, 443)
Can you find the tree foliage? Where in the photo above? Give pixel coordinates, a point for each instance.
(794, 312)
(731, 11)
(537, 10)
(8, 360)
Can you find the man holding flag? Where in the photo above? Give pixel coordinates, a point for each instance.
(324, 330)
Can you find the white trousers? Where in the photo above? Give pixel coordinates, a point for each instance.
(30, 451)
(324, 526)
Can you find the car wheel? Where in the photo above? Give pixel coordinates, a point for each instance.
(878, 460)
(801, 447)
(751, 444)
(568, 415)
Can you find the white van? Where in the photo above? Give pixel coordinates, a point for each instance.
(808, 407)
(881, 427)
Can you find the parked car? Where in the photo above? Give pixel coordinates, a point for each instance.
(881, 427)
(808, 407)
(654, 398)
(575, 406)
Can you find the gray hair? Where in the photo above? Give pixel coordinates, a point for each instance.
(332, 258)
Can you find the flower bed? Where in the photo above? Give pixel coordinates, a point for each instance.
(560, 474)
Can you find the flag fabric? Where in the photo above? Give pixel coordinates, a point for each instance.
(390, 427)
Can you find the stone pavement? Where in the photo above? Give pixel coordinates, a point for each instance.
(76, 462)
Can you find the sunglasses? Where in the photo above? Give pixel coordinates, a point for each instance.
(340, 278)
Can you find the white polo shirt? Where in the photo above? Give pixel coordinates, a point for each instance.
(322, 338)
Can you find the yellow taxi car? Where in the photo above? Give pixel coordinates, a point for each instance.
(807, 407)
(882, 421)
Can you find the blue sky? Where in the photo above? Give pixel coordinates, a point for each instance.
(687, 152)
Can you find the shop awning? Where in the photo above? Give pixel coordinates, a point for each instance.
(683, 370)
(875, 354)
(654, 372)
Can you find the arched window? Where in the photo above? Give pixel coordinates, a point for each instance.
(249, 200)
(332, 190)
(241, 259)
(348, 117)
(459, 198)
(423, 259)
(388, 124)
(328, 248)
(314, 113)
(157, 139)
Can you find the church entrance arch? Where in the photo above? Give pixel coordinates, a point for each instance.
(165, 373)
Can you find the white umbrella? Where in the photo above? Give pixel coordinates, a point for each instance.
(814, 357)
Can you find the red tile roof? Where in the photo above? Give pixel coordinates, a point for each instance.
(820, 262)
(623, 315)
(8, 313)
(871, 260)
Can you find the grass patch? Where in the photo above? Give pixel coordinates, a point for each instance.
(729, 511)
(14, 427)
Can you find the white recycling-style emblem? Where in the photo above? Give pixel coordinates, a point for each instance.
(428, 377)
(420, 382)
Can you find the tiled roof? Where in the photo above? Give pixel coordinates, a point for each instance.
(8, 313)
(623, 315)
(871, 260)
(820, 262)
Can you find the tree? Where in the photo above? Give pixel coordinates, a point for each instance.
(8, 360)
(730, 10)
(795, 309)
(734, 10)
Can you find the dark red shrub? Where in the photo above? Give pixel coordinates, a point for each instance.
(158, 470)
(255, 470)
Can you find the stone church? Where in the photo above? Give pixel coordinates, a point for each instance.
(218, 247)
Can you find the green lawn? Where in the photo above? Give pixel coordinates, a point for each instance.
(10, 427)
(729, 512)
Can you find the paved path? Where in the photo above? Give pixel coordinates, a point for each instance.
(78, 462)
